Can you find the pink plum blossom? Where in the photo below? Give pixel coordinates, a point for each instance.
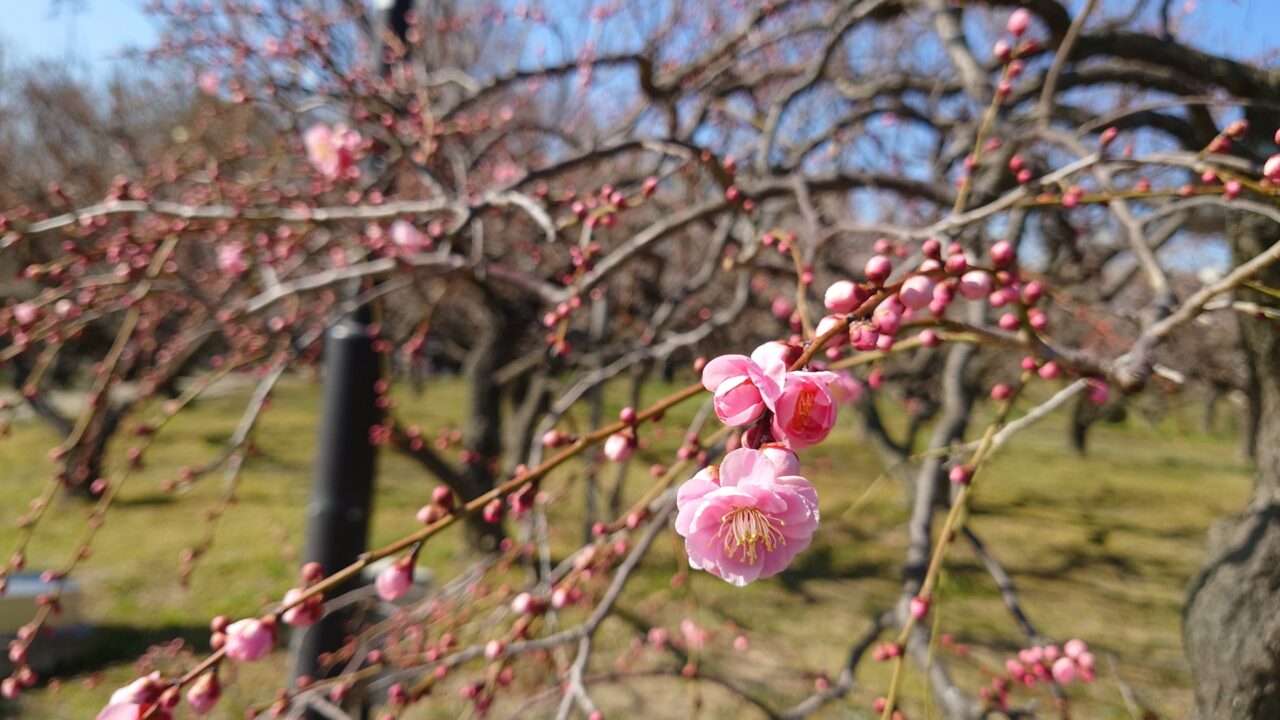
(806, 410)
(25, 313)
(331, 151)
(209, 82)
(743, 520)
(231, 259)
(744, 386)
(408, 238)
(250, 639)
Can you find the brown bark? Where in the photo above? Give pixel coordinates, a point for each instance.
(1231, 622)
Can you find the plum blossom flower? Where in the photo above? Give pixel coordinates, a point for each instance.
(209, 82)
(408, 238)
(805, 411)
(746, 520)
(744, 386)
(25, 313)
(231, 259)
(331, 151)
(250, 639)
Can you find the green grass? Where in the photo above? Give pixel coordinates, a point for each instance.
(1101, 547)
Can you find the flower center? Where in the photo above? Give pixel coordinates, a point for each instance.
(802, 420)
(745, 529)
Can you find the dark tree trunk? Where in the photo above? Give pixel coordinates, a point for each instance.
(483, 437)
(1231, 622)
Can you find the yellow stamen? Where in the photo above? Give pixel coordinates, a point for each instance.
(748, 528)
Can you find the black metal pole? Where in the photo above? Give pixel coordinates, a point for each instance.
(341, 495)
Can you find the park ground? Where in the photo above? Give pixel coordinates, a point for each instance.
(1102, 547)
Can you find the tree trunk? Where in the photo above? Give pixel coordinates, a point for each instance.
(1209, 413)
(1231, 622)
(483, 437)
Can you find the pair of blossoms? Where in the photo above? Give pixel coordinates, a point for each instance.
(748, 518)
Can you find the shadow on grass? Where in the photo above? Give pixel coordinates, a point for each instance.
(105, 645)
(821, 564)
(149, 500)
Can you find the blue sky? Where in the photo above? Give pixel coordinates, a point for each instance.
(94, 36)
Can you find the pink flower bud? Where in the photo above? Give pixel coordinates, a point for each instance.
(974, 285)
(1002, 253)
(524, 604)
(494, 649)
(826, 325)
(919, 607)
(1001, 392)
(962, 474)
(1075, 648)
(878, 269)
(1064, 671)
(618, 447)
(25, 313)
(395, 579)
(916, 292)
(863, 338)
(1018, 22)
(843, 297)
(492, 512)
(929, 338)
(886, 321)
(304, 614)
(1271, 170)
(1050, 370)
(204, 693)
(1009, 321)
(443, 497)
(250, 639)
(628, 415)
(1232, 188)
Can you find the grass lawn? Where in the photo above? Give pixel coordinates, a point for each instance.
(1101, 547)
